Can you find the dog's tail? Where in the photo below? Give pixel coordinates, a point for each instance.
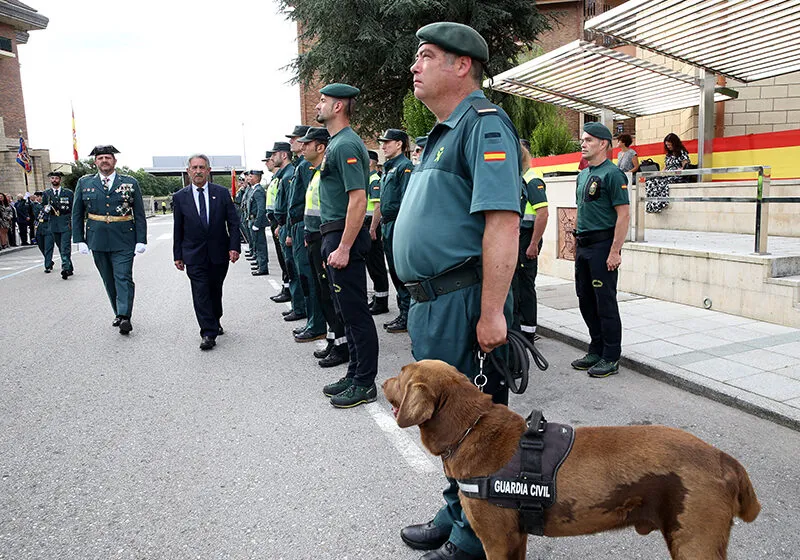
(749, 506)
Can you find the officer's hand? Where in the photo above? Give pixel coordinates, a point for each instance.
(140, 248)
(613, 261)
(373, 234)
(83, 248)
(47, 209)
(340, 258)
(492, 331)
(532, 251)
(288, 241)
(255, 228)
(277, 232)
(233, 256)
(179, 264)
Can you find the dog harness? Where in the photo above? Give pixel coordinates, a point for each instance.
(528, 481)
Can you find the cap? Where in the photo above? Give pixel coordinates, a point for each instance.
(299, 130)
(318, 133)
(340, 91)
(267, 155)
(55, 174)
(393, 134)
(281, 147)
(373, 155)
(420, 141)
(255, 172)
(455, 38)
(597, 130)
(101, 150)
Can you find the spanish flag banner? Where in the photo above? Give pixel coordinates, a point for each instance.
(74, 137)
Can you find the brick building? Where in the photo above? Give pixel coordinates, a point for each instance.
(16, 20)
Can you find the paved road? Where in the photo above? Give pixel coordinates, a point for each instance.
(146, 448)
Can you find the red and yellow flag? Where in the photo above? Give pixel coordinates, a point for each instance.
(233, 183)
(74, 137)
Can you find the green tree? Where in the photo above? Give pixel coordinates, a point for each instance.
(150, 184)
(371, 45)
(417, 118)
(552, 137)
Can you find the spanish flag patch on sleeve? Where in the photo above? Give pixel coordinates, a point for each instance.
(352, 160)
(624, 186)
(494, 156)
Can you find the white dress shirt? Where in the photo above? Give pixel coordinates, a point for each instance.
(110, 179)
(197, 200)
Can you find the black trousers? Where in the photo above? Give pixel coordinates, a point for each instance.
(349, 291)
(376, 263)
(23, 232)
(285, 273)
(523, 285)
(334, 319)
(207, 280)
(596, 287)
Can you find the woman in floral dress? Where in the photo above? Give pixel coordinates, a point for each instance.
(6, 215)
(677, 158)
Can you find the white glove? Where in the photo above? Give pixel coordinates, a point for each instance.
(47, 208)
(255, 228)
(83, 248)
(140, 248)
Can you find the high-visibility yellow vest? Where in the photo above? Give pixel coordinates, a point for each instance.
(272, 193)
(530, 212)
(312, 196)
(371, 201)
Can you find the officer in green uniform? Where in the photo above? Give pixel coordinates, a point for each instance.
(57, 202)
(314, 329)
(108, 218)
(396, 173)
(242, 209)
(284, 171)
(344, 177)
(455, 240)
(531, 230)
(602, 224)
(246, 222)
(272, 196)
(39, 227)
(376, 263)
(336, 353)
(257, 208)
(420, 142)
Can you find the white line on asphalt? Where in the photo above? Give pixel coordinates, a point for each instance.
(275, 284)
(410, 451)
(20, 271)
(164, 236)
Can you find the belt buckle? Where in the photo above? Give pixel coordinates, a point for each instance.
(108, 219)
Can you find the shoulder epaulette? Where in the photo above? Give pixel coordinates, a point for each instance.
(483, 106)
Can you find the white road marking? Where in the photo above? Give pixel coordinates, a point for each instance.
(20, 271)
(164, 236)
(410, 451)
(275, 284)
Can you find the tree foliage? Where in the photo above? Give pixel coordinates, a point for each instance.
(150, 184)
(417, 118)
(371, 45)
(552, 137)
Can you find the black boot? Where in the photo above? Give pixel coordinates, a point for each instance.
(323, 353)
(380, 305)
(338, 355)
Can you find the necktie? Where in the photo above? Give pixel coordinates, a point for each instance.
(202, 198)
(105, 182)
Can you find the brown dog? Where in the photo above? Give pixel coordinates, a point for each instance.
(651, 477)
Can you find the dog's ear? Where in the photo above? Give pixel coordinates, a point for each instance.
(417, 406)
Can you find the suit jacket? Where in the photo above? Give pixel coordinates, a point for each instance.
(59, 219)
(124, 198)
(196, 244)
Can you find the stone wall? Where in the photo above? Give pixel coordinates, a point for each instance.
(769, 105)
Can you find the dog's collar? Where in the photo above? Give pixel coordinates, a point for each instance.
(453, 448)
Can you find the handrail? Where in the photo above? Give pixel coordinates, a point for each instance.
(761, 199)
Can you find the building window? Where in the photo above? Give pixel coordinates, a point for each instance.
(5, 45)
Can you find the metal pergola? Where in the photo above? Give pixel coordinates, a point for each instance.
(744, 40)
(599, 81)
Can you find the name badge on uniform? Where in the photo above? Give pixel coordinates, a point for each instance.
(593, 186)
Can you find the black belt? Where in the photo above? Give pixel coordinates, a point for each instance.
(313, 236)
(591, 237)
(458, 277)
(336, 225)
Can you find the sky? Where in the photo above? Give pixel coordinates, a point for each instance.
(168, 78)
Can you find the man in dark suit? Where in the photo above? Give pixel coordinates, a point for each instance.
(206, 238)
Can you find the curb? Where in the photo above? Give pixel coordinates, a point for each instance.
(16, 249)
(731, 396)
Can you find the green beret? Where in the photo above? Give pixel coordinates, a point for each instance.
(340, 91)
(455, 38)
(597, 130)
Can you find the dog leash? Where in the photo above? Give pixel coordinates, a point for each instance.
(515, 369)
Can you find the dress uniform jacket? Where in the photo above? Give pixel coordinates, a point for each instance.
(59, 219)
(124, 198)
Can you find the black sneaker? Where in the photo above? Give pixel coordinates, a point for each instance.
(336, 357)
(603, 368)
(398, 326)
(392, 322)
(586, 362)
(294, 316)
(333, 389)
(308, 336)
(323, 352)
(355, 395)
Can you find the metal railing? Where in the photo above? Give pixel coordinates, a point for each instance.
(761, 200)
